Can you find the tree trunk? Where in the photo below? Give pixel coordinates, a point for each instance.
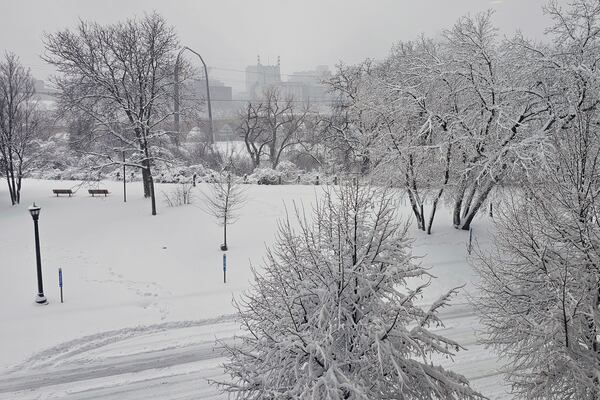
(152, 194)
(10, 189)
(466, 222)
(469, 200)
(417, 210)
(10, 177)
(149, 184)
(458, 200)
(433, 210)
(146, 177)
(441, 191)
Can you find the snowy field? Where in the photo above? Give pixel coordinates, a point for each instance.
(145, 298)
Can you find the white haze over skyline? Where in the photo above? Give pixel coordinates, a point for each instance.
(231, 33)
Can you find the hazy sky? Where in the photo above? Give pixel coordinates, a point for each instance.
(230, 33)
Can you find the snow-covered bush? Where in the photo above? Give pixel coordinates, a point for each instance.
(332, 317)
(180, 196)
(288, 170)
(266, 176)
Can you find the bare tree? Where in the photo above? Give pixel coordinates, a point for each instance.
(121, 77)
(252, 131)
(271, 126)
(223, 201)
(19, 123)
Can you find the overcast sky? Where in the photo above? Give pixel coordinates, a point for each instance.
(230, 33)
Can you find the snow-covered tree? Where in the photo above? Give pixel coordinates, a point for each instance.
(540, 288)
(355, 124)
(416, 149)
(224, 199)
(120, 76)
(19, 123)
(449, 118)
(331, 315)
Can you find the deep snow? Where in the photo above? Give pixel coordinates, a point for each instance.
(144, 296)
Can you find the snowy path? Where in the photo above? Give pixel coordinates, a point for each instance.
(127, 363)
(175, 360)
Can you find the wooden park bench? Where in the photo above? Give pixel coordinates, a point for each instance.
(98, 191)
(62, 191)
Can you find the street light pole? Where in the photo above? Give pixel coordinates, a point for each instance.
(124, 180)
(35, 214)
(211, 137)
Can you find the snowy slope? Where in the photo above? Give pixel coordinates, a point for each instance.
(144, 296)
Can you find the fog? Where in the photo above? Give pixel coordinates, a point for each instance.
(231, 33)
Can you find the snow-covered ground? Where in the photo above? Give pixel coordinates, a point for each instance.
(145, 298)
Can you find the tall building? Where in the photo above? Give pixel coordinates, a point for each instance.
(304, 87)
(260, 77)
(313, 89)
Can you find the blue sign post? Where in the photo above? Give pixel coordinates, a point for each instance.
(224, 268)
(60, 284)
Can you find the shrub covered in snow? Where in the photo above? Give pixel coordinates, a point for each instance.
(332, 316)
(288, 170)
(266, 176)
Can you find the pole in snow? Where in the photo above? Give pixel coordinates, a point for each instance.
(224, 268)
(124, 180)
(35, 214)
(60, 284)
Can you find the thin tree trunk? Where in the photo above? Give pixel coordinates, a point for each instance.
(469, 200)
(433, 210)
(458, 200)
(416, 207)
(149, 183)
(441, 191)
(13, 185)
(10, 189)
(466, 222)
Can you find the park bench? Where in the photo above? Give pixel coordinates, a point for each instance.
(98, 191)
(62, 191)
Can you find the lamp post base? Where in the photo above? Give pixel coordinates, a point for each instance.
(41, 299)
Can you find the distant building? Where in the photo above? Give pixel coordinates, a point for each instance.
(305, 86)
(259, 77)
(220, 95)
(313, 89)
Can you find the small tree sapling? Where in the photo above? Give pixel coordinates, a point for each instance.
(223, 201)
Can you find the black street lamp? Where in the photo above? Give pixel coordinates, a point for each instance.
(35, 214)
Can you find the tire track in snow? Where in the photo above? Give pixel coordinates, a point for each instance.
(116, 364)
(53, 355)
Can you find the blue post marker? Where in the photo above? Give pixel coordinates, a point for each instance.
(224, 268)
(60, 284)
